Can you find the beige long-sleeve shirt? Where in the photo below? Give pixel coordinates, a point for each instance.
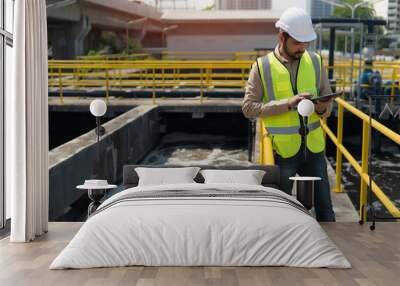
(253, 105)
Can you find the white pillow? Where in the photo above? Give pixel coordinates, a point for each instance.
(164, 176)
(248, 177)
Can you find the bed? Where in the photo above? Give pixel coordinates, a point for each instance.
(198, 224)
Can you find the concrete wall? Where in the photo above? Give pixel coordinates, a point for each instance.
(222, 37)
(67, 13)
(240, 4)
(228, 43)
(128, 139)
(283, 5)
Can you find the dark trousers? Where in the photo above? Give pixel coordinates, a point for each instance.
(315, 166)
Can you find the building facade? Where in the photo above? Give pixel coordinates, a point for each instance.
(393, 16)
(242, 4)
(174, 4)
(221, 30)
(320, 9)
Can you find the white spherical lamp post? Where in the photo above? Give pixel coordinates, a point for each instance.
(305, 108)
(98, 108)
(305, 185)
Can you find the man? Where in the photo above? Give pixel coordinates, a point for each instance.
(276, 84)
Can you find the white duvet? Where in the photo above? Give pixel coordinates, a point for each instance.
(200, 231)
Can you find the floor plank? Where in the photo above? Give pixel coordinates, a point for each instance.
(375, 257)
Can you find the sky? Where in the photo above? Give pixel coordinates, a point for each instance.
(381, 8)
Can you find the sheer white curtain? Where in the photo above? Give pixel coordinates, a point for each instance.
(27, 124)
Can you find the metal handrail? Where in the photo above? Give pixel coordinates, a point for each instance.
(206, 55)
(75, 75)
(362, 169)
(155, 74)
(266, 150)
(116, 56)
(266, 155)
(183, 55)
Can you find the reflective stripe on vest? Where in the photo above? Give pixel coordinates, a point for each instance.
(291, 130)
(266, 74)
(317, 68)
(277, 85)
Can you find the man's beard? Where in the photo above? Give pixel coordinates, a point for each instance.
(294, 56)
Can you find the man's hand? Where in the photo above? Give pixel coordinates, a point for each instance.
(294, 100)
(321, 106)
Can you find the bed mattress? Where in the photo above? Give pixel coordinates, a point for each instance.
(201, 225)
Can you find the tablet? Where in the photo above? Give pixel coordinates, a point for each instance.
(326, 97)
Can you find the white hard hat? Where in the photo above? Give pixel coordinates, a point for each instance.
(297, 23)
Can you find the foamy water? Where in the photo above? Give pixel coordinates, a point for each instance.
(385, 173)
(193, 149)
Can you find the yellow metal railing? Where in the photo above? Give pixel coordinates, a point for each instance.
(110, 75)
(266, 151)
(155, 74)
(235, 56)
(208, 55)
(362, 169)
(266, 155)
(342, 75)
(181, 55)
(133, 56)
(211, 55)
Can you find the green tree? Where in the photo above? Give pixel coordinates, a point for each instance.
(366, 11)
(134, 46)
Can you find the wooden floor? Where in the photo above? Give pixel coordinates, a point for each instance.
(375, 257)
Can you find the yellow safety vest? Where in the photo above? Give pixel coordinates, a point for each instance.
(284, 128)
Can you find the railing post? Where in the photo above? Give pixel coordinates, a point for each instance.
(201, 85)
(76, 79)
(141, 77)
(338, 188)
(243, 80)
(208, 72)
(364, 170)
(120, 79)
(178, 75)
(85, 75)
(163, 78)
(60, 86)
(343, 72)
(392, 93)
(154, 86)
(79, 77)
(266, 149)
(107, 85)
